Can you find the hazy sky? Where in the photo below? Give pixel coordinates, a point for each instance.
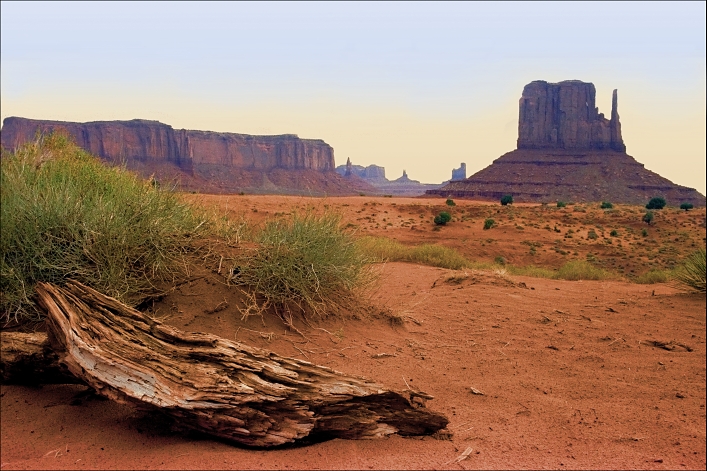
(415, 86)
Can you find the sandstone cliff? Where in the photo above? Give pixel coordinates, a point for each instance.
(564, 116)
(201, 160)
(568, 151)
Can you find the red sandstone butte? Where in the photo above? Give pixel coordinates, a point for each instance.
(568, 151)
(201, 160)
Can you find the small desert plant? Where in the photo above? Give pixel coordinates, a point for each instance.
(489, 223)
(648, 217)
(500, 260)
(383, 249)
(653, 276)
(442, 218)
(686, 206)
(691, 274)
(506, 200)
(581, 270)
(614, 233)
(657, 202)
(450, 202)
(592, 234)
(64, 214)
(644, 232)
(561, 204)
(306, 263)
(606, 205)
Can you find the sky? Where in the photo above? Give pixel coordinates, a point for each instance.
(410, 86)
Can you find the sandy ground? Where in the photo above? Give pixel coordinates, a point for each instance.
(571, 374)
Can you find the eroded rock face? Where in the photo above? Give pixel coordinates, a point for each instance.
(568, 151)
(144, 140)
(459, 173)
(564, 116)
(201, 160)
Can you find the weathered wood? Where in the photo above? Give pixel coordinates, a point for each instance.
(27, 358)
(214, 385)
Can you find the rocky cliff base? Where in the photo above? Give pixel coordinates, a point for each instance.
(536, 175)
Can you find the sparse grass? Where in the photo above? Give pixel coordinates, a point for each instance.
(582, 270)
(64, 214)
(653, 276)
(691, 274)
(572, 270)
(306, 263)
(383, 249)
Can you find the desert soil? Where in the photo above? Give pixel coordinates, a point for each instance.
(532, 373)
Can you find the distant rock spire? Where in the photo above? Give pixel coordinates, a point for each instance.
(617, 142)
(348, 171)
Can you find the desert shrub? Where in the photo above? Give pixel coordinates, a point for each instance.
(561, 204)
(582, 270)
(306, 262)
(450, 202)
(606, 205)
(644, 232)
(64, 214)
(383, 249)
(442, 218)
(648, 217)
(657, 202)
(691, 274)
(506, 200)
(614, 233)
(500, 260)
(653, 276)
(489, 223)
(686, 206)
(592, 234)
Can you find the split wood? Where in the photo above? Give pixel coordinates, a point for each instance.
(215, 385)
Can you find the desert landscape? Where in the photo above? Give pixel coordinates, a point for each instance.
(531, 372)
(387, 235)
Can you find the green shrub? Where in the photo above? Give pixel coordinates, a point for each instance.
(657, 202)
(686, 206)
(614, 233)
(489, 223)
(450, 202)
(506, 200)
(442, 218)
(64, 214)
(561, 204)
(500, 260)
(306, 263)
(592, 234)
(606, 205)
(644, 232)
(648, 217)
(691, 274)
(653, 276)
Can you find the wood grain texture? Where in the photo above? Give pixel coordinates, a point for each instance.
(215, 385)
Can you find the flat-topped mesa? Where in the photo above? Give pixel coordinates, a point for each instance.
(204, 161)
(564, 116)
(152, 141)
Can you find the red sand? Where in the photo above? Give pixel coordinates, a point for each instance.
(569, 376)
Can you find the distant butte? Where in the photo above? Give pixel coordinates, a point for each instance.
(205, 161)
(568, 151)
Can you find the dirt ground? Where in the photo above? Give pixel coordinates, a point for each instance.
(532, 373)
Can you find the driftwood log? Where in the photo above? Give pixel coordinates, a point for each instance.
(28, 358)
(218, 386)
